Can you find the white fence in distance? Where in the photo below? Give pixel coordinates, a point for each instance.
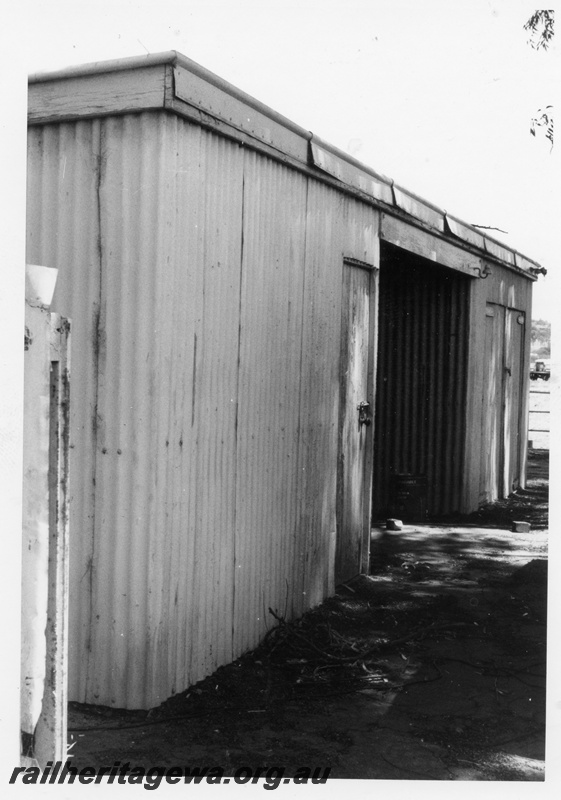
(539, 416)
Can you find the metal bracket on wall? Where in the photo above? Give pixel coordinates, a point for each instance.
(364, 415)
(483, 271)
(356, 262)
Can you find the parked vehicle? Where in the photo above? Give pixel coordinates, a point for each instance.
(541, 371)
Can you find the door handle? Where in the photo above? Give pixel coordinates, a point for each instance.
(364, 415)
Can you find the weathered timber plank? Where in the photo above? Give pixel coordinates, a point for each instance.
(431, 247)
(97, 95)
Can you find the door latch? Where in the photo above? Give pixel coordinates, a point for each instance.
(364, 415)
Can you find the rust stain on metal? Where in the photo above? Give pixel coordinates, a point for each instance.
(194, 381)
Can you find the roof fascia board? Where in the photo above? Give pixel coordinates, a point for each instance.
(256, 120)
(464, 232)
(525, 264)
(173, 82)
(423, 243)
(386, 205)
(183, 65)
(95, 94)
(397, 228)
(418, 208)
(346, 169)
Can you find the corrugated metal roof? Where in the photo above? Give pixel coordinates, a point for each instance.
(188, 89)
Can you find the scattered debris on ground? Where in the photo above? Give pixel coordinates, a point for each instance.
(431, 667)
(529, 504)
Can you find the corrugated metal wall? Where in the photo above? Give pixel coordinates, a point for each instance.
(422, 363)
(166, 410)
(63, 230)
(274, 227)
(204, 284)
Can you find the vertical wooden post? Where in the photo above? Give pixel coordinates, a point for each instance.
(51, 731)
(45, 534)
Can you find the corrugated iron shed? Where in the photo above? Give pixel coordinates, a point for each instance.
(207, 250)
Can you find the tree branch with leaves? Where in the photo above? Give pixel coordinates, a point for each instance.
(541, 27)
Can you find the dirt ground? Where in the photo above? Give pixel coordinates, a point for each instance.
(431, 667)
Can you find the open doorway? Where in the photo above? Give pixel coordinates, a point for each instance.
(421, 382)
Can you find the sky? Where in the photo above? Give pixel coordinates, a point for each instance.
(436, 95)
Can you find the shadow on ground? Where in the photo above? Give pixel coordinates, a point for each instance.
(431, 667)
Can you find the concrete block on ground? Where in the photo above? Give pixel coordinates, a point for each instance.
(520, 527)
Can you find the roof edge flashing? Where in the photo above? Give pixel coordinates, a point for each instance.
(338, 153)
(348, 171)
(266, 125)
(105, 67)
(229, 88)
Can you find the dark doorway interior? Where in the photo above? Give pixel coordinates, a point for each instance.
(421, 382)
